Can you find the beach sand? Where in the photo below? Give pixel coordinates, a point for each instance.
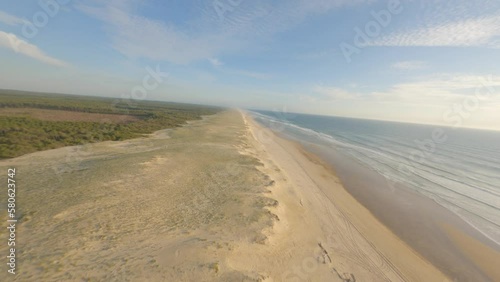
(222, 199)
(443, 238)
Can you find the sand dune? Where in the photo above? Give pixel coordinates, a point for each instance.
(326, 222)
(220, 199)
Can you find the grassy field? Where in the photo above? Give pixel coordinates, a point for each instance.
(32, 122)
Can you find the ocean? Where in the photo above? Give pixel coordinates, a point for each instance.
(458, 168)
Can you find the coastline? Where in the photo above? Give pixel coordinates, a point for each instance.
(357, 242)
(220, 199)
(438, 235)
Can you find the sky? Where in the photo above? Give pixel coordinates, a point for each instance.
(420, 61)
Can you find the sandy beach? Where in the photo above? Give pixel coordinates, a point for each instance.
(222, 199)
(443, 238)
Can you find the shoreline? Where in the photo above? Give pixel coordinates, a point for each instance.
(220, 199)
(425, 225)
(360, 243)
(445, 241)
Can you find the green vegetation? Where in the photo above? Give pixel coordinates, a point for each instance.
(22, 135)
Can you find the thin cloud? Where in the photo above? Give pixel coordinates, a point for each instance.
(410, 65)
(10, 19)
(262, 17)
(480, 31)
(219, 65)
(436, 89)
(12, 42)
(139, 37)
(209, 35)
(256, 75)
(215, 62)
(441, 88)
(242, 72)
(329, 93)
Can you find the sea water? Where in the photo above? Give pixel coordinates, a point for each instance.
(458, 168)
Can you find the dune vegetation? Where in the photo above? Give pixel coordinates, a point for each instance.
(31, 122)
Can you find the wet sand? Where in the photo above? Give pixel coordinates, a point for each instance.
(221, 199)
(359, 247)
(448, 242)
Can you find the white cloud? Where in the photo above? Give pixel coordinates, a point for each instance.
(209, 34)
(11, 41)
(139, 37)
(410, 65)
(263, 17)
(434, 99)
(220, 66)
(427, 100)
(10, 19)
(252, 74)
(435, 89)
(333, 93)
(440, 89)
(479, 31)
(215, 62)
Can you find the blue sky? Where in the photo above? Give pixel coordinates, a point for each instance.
(427, 61)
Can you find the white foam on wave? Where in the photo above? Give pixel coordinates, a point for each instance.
(444, 177)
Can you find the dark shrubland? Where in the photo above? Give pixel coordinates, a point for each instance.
(20, 135)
